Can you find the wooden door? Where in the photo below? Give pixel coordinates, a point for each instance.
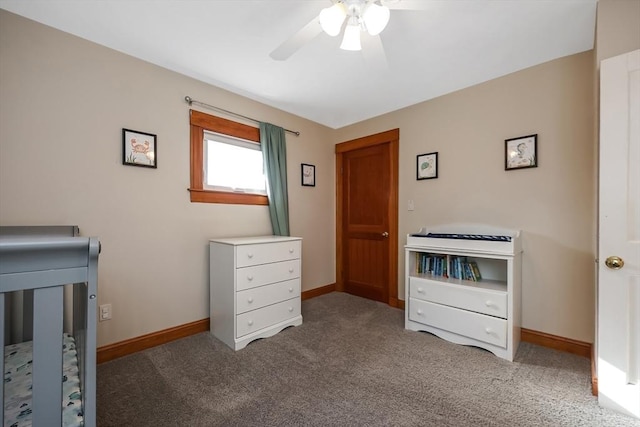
(366, 218)
(618, 344)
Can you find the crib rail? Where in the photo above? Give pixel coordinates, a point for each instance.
(44, 265)
(23, 301)
(2, 330)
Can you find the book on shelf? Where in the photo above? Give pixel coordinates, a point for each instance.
(475, 270)
(467, 272)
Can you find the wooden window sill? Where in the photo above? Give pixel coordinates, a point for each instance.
(208, 196)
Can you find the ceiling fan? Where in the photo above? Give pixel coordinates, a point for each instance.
(357, 17)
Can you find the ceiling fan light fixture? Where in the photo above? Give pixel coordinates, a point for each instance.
(375, 18)
(331, 19)
(351, 40)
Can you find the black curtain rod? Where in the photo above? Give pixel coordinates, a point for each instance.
(193, 101)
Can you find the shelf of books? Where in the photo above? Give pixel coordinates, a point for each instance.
(488, 273)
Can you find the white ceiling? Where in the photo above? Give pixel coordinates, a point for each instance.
(449, 45)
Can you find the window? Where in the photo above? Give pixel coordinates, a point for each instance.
(217, 143)
(232, 165)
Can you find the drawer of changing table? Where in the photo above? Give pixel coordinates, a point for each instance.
(265, 253)
(262, 296)
(487, 301)
(466, 323)
(255, 320)
(250, 277)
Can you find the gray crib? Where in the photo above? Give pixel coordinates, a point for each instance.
(52, 376)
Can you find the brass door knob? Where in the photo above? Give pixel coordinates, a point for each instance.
(385, 234)
(614, 262)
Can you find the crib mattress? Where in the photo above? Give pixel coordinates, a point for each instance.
(17, 384)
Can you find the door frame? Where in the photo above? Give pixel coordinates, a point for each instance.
(391, 137)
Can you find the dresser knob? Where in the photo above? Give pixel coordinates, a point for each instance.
(488, 331)
(249, 278)
(419, 312)
(290, 289)
(488, 303)
(420, 291)
(250, 300)
(290, 250)
(250, 255)
(291, 270)
(250, 322)
(290, 309)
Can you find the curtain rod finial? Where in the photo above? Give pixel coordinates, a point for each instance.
(188, 99)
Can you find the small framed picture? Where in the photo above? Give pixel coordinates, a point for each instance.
(139, 148)
(521, 152)
(308, 175)
(427, 166)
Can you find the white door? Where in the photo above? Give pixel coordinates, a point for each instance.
(618, 341)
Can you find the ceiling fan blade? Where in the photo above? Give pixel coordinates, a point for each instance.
(373, 52)
(299, 39)
(407, 4)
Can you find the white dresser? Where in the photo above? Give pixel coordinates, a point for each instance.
(448, 300)
(254, 285)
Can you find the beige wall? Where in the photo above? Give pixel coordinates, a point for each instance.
(618, 29)
(63, 104)
(552, 204)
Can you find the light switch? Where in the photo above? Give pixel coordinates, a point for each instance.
(410, 205)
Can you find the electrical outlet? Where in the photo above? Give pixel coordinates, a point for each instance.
(105, 312)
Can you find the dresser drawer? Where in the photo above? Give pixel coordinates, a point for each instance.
(259, 275)
(255, 320)
(469, 324)
(480, 300)
(265, 253)
(262, 296)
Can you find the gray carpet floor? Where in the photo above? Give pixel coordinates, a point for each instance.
(351, 363)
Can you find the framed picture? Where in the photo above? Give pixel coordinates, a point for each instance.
(139, 148)
(308, 175)
(520, 153)
(427, 166)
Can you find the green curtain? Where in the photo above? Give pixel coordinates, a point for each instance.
(274, 154)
